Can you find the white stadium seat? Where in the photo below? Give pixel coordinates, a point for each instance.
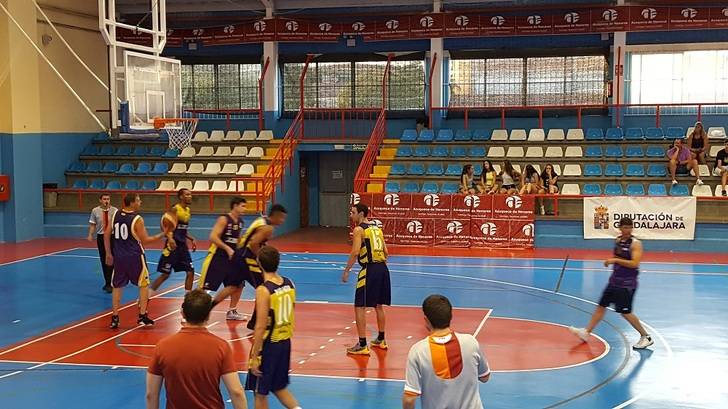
(212, 168)
(255, 152)
(534, 152)
(536, 135)
(229, 169)
(166, 185)
(200, 136)
(201, 186)
(537, 167)
(497, 168)
(496, 152)
(517, 168)
(515, 152)
(689, 131)
(233, 135)
(518, 135)
(703, 191)
(195, 168)
(703, 169)
(555, 135)
(246, 169)
(265, 135)
(573, 152)
(571, 189)
(219, 186)
(216, 136)
(206, 151)
(184, 184)
(178, 168)
(572, 170)
(557, 168)
(188, 152)
(554, 152)
(716, 132)
(249, 135)
(575, 135)
(223, 151)
(714, 150)
(240, 186)
(499, 135)
(240, 151)
(718, 189)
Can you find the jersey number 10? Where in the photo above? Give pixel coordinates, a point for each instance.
(121, 231)
(284, 309)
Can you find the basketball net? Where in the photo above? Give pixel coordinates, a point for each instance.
(179, 130)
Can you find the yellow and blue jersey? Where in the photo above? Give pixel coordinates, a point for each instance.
(280, 317)
(244, 241)
(372, 245)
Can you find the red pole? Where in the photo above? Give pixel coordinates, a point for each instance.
(503, 118)
(700, 112)
(540, 117)
(466, 118)
(578, 117)
(657, 117)
(429, 87)
(385, 80)
(261, 118)
(309, 57)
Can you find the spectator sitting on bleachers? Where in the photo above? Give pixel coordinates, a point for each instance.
(467, 180)
(550, 179)
(509, 176)
(421, 124)
(681, 161)
(531, 182)
(698, 143)
(721, 167)
(488, 179)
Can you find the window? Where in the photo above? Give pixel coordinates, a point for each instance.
(220, 86)
(689, 76)
(528, 81)
(355, 84)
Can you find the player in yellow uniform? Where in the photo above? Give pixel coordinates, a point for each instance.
(373, 287)
(176, 255)
(270, 356)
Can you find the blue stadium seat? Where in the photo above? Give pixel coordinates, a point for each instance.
(106, 150)
(411, 187)
(110, 167)
(635, 170)
(97, 184)
(613, 169)
(171, 153)
(94, 167)
(76, 167)
(654, 133)
(409, 135)
(613, 152)
(397, 169)
(426, 135)
(614, 134)
(114, 185)
(439, 152)
(593, 152)
(142, 169)
(463, 135)
(454, 169)
(101, 136)
(435, 169)
(655, 152)
(458, 152)
(160, 168)
(422, 151)
(679, 190)
(149, 185)
(444, 135)
(635, 189)
(131, 185)
(481, 134)
(416, 169)
(90, 150)
(430, 187)
(140, 150)
(657, 190)
(477, 152)
(391, 187)
(125, 169)
(404, 151)
(594, 134)
(634, 152)
(450, 188)
(80, 184)
(634, 134)
(591, 189)
(591, 169)
(657, 170)
(123, 151)
(477, 169)
(675, 132)
(613, 189)
(156, 151)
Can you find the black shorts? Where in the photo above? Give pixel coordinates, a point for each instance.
(682, 169)
(620, 297)
(373, 286)
(274, 365)
(178, 259)
(248, 267)
(219, 269)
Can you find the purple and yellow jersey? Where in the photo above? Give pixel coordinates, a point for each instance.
(244, 241)
(124, 241)
(280, 317)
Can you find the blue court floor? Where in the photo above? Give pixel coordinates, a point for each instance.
(684, 306)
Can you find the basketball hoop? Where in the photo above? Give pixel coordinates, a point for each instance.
(179, 130)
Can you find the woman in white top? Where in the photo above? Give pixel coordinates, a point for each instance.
(509, 176)
(467, 180)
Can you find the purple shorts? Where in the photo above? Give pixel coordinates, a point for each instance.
(130, 270)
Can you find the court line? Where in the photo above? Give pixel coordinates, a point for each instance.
(85, 256)
(53, 253)
(482, 322)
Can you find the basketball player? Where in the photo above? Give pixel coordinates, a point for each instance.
(270, 355)
(219, 265)
(255, 237)
(124, 239)
(373, 288)
(622, 285)
(176, 255)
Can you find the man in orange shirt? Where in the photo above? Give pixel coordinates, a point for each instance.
(191, 363)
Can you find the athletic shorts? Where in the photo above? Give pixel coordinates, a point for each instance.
(620, 297)
(219, 269)
(373, 286)
(682, 169)
(130, 270)
(247, 264)
(275, 364)
(178, 259)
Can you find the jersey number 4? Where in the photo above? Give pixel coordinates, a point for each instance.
(121, 231)
(284, 309)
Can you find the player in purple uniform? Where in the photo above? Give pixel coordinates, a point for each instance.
(124, 238)
(622, 285)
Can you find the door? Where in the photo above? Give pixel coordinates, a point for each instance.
(336, 182)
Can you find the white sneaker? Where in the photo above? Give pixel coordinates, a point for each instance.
(699, 182)
(234, 315)
(674, 182)
(644, 342)
(580, 332)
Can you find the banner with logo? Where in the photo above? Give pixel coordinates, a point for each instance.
(655, 218)
(485, 221)
(484, 23)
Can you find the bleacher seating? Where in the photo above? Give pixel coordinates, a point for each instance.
(426, 135)
(635, 189)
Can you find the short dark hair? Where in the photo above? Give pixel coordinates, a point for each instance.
(269, 258)
(181, 192)
(277, 208)
(362, 208)
(625, 221)
(129, 198)
(236, 201)
(438, 310)
(101, 196)
(197, 306)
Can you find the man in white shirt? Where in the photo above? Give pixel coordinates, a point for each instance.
(100, 217)
(444, 368)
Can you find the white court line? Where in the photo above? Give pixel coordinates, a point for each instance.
(213, 324)
(53, 253)
(85, 349)
(137, 345)
(482, 322)
(84, 256)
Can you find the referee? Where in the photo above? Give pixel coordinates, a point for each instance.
(101, 215)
